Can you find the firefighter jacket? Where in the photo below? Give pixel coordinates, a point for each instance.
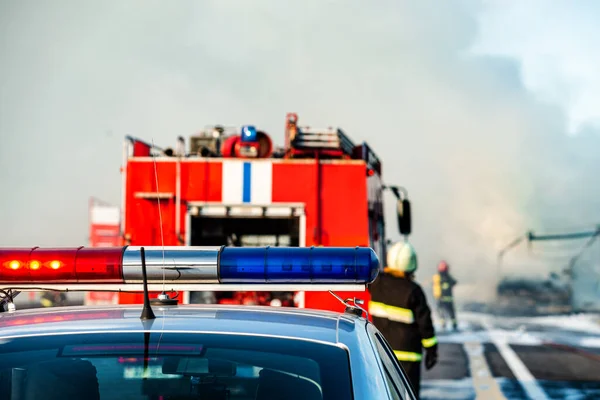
(443, 283)
(400, 312)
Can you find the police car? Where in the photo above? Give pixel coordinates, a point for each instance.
(163, 350)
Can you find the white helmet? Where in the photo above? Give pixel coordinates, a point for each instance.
(402, 257)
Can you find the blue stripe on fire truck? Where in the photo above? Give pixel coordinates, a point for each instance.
(247, 182)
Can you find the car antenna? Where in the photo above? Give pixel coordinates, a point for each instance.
(353, 305)
(147, 313)
(147, 316)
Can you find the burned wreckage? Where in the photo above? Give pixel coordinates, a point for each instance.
(534, 295)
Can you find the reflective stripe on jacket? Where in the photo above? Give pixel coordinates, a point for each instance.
(437, 286)
(392, 313)
(400, 312)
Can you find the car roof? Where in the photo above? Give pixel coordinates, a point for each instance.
(295, 323)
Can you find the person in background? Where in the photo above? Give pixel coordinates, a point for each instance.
(53, 299)
(443, 283)
(400, 312)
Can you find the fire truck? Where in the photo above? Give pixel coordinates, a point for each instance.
(104, 231)
(104, 224)
(232, 186)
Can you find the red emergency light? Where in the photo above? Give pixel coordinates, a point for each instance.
(189, 268)
(65, 265)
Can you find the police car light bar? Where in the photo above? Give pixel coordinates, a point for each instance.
(183, 268)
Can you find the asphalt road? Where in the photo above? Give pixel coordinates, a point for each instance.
(513, 358)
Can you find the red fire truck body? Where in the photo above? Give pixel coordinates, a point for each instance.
(104, 231)
(104, 224)
(315, 192)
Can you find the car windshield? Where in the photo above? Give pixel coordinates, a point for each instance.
(168, 366)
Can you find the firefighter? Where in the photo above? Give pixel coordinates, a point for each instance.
(53, 299)
(443, 283)
(400, 311)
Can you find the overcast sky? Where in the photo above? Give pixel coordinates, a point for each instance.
(487, 111)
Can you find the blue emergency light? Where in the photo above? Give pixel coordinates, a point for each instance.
(298, 265)
(249, 133)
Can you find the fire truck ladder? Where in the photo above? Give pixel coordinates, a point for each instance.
(322, 139)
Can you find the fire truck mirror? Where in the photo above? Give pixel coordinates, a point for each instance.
(404, 217)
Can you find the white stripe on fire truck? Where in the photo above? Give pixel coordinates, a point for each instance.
(249, 182)
(261, 188)
(232, 182)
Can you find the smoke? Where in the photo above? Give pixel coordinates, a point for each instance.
(483, 159)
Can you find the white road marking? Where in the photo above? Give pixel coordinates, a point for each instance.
(484, 383)
(523, 375)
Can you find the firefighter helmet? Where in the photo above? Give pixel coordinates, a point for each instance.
(402, 257)
(443, 266)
